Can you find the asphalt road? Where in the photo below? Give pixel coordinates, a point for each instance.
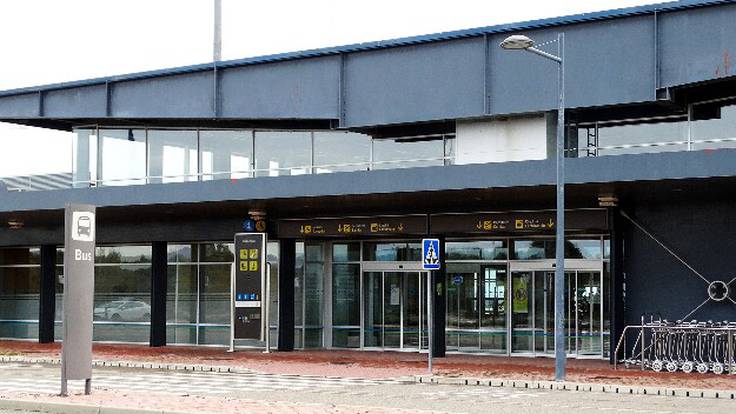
(390, 396)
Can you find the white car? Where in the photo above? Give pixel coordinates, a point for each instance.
(123, 310)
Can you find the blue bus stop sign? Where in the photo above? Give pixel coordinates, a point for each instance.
(430, 254)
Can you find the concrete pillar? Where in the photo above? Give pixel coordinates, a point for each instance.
(47, 293)
(159, 271)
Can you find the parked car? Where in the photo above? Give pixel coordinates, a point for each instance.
(123, 310)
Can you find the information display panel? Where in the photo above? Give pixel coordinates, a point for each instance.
(247, 293)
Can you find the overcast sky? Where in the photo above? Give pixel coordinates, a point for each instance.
(48, 41)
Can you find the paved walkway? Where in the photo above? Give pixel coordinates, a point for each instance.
(379, 365)
(197, 392)
(41, 379)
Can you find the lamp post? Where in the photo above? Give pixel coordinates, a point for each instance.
(520, 42)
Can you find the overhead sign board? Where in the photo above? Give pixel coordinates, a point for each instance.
(516, 222)
(430, 254)
(79, 287)
(354, 226)
(247, 291)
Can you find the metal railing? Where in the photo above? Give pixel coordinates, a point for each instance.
(646, 147)
(268, 172)
(44, 182)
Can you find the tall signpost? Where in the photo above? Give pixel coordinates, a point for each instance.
(249, 318)
(79, 286)
(430, 262)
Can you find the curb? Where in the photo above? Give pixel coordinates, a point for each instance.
(63, 408)
(580, 387)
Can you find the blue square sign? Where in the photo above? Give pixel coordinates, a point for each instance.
(430, 254)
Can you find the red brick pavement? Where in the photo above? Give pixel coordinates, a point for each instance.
(383, 364)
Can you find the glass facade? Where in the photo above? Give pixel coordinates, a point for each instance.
(272, 160)
(496, 305)
(476, 295)
(122, 156)
(172, 156)
(499, 294)
(344, 151)
(308, 295)
(226, 154)
(198, 292)
(713, 126)
(346, 295)
(109, 157)
(20, 273)
(412, 152)
(122, 301)
(706, 126)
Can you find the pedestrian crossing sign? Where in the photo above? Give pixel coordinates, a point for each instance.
(430, 254)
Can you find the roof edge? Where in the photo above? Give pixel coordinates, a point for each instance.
(381, 44)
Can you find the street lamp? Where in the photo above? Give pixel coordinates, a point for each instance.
(521, 42)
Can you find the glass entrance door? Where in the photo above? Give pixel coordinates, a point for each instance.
(533, 312)
(394, 310)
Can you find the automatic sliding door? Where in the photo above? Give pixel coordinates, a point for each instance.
(493, 309)
(392, 299)
(391, 310)
(549, 312)
(373, 309)
(588, 299)
(411, 306)
(522, 306)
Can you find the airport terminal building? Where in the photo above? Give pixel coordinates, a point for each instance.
(351, 155)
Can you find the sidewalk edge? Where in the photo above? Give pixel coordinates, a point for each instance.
(579, 387)
(67, 408)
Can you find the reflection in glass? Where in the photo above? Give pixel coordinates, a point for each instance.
(226, 154)
(217, 252)
(476, 302)
(313, 296)
(583, 249)
(346, 305)
(493, 313)
(20, 256)
(534, 249)
(123, 254)
(19, 296)
(477, 250)
(122, 309)
(299, 266)
(181, 304)
(123, 156)
(172, 156)
(346, 252)
(392, 252)
(373, 309)
(715, 126)
(283, 153)
(634, 138)
(341, 151)
(408, 152)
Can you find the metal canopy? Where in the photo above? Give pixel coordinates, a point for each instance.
(387, 82)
